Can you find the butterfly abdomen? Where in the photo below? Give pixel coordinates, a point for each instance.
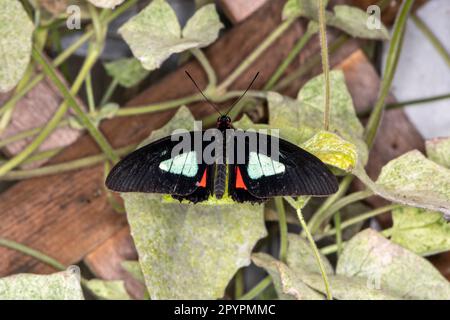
(220, 180)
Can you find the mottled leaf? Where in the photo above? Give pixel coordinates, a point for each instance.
(388, 266)
(286, 282)
(58, 286)
(438, 150)
(353, 21)
(424, 232)
(109, 4)
(332, 150)
(128, 72)
(190, 251)
(343, 119)
(134, 268)
(108, 289)
(16, 31)
(155, 33)
(302, 262)
(302, 8)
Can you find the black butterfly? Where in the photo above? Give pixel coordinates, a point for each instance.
(250, 174)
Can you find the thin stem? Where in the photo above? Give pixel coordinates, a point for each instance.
(310, 31)
(325, 63)
(312, 62)
(316, 253)
(204, 62)
(109, 92)
(68, 95)
(432, 38)
(389, 71)
(279, 205)
(255, 54)
(258, 289)
(361, 218)
(32, 253)
(90, 93)
(337, 224)
(62, 167)
(239, 284)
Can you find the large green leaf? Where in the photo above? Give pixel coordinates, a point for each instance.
(438, 150)
(386, 265)
(109, 4)
(424, 232)
(353, 21)
(286, 282)
(190, 251)
(58, 286)
(108, 289)
(16, 31)
(155, 33)
(128, 72)
(413, 180)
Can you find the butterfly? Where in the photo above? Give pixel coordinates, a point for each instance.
(253, 167)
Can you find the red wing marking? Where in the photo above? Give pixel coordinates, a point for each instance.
(239, 181)
(202, 182)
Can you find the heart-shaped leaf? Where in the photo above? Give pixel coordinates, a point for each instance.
(438, 150)
(110, 290)
(58, 286)
(422, 231)
(16, 31)
(108, 4)
(190, 251)
(127, 72)
(388, 266)
(155, 33)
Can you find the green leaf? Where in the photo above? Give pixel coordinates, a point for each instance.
(386, 265)
(108, 289)
(421, 231)
(438, 150)
(286, 282)
(332, 150)
(58, 286)
(344, 121)
(16, 31)
(353, 21)
(128, 72)
(413, 180)
(155, 33)
(134, 268)
(302, 262)
(190, 251)
(302, 8)
(108, 4)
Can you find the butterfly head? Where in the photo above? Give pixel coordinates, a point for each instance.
(224, 122)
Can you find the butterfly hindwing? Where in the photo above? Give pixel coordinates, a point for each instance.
(153, 169)
(295, 172)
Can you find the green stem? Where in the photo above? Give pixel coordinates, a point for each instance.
(62, 167)
(337, 224)
(325, 63)
(310, 31)
(204, 62)
(258, 289)
(32, 253)
(316, 253)
(389, 71)
(109, 92)
(310, 63)
(361, 218)
(283, 228)
(432, 38)
(84, 119)
(239, 284)
(255, 54)
(90, 93)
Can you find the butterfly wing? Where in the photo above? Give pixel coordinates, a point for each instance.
(295, 172)
(153, 169)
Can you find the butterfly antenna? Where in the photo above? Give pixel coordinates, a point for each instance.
(201, 92)
(239, 99)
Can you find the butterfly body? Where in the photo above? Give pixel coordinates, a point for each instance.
(248, 171)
